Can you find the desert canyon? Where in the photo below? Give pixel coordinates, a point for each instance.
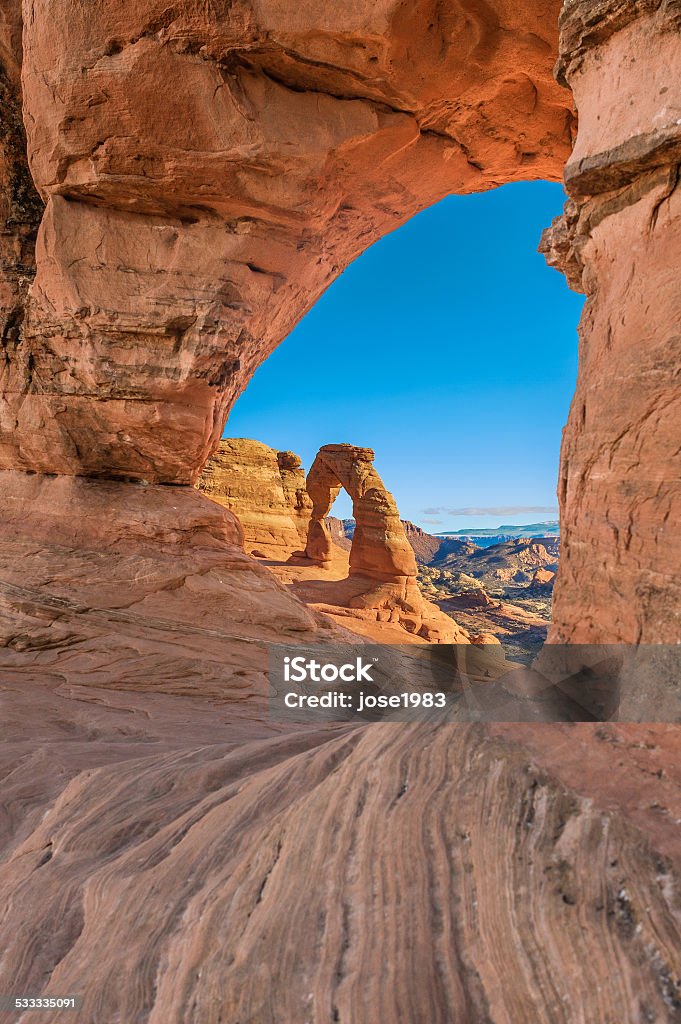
(179, 183)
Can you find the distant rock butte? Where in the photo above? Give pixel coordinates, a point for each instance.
(338, 532)
(424, 545)
(265, 489)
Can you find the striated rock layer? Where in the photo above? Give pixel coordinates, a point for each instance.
(207, 171)
(265, 490)
(401, 874)
(137, 588)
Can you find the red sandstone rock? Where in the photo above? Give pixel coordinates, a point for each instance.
(137, 588)
(183, 239)
(265, 489)
(543, 576)
(621, 459)
(284, 879)
(383, 572)
(20, 205)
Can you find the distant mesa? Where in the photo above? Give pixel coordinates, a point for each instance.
(487, 537)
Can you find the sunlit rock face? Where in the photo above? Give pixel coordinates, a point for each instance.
(380, 549)
(209, 169)
(382, 578)
(620, 242)
(266, 491)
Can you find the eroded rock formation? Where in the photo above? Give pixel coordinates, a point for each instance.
(182, 240)
(620, 242)
(207, 171)
(266, 491)
(380, 549)
(383, 571)
(280, 881)
(112, 585)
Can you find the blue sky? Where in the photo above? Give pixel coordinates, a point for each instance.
(450, 348)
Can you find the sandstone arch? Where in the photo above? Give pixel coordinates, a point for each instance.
(382, 580)
(161, 282)
(182, 240)
(178, 248)
(380, 549)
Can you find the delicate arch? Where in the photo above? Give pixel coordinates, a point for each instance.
(380, 549)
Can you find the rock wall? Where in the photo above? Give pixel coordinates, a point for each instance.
(265, 489)
(620, 242)
(20, 214)
(183, 240)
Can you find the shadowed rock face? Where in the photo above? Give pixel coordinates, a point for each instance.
(183, 239)
(265, 489)
(20, 213)
(620, 242)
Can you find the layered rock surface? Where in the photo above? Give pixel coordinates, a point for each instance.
(418, 841)
(182, 241)
(161, 837)
(266, 491)
(620, 242)
(137, 588)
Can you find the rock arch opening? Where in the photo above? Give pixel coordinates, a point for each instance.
(176, 252)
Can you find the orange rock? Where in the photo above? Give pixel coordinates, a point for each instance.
(543, 576)
(183, 239)
(265, 489)
(619, 241)
(383, 569)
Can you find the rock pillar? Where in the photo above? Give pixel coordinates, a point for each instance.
(620, 242)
